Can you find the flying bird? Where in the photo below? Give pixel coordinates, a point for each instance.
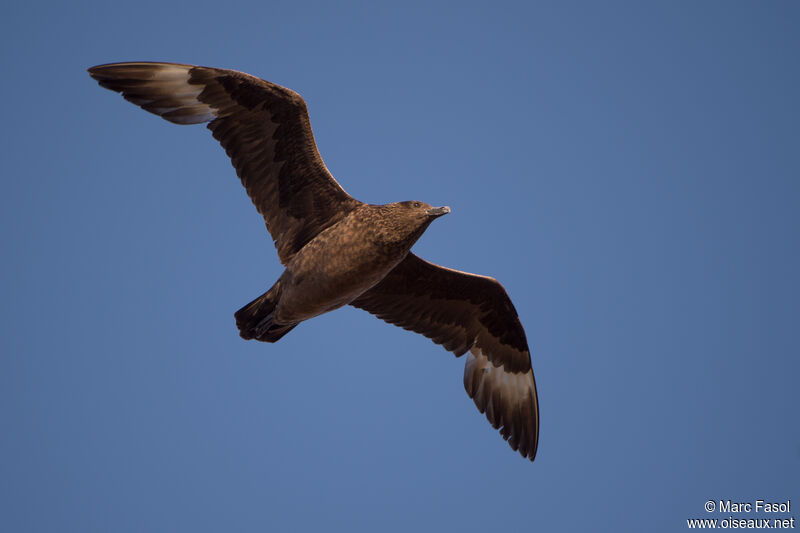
(335, 249)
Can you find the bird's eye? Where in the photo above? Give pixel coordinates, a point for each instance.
(417, 204)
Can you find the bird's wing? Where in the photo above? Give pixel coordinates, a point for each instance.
(466, 312)
(263, 127)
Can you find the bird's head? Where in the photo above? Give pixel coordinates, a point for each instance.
(419, 214)
(421, 210)
(407, 221)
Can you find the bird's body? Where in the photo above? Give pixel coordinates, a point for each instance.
(335, 249)
(335, 268)
(342, 262)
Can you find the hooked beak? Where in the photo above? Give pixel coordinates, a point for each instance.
(438, 211)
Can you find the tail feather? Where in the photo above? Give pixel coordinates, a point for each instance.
(256, 319)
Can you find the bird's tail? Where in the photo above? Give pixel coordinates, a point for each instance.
(255, 320)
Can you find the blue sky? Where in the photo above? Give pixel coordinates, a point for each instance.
(629, 171)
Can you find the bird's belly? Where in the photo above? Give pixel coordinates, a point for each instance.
(320, 283)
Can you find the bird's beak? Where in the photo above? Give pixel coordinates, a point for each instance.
(438, 211)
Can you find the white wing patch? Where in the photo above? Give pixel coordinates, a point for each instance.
(508, 399)
(165, 90)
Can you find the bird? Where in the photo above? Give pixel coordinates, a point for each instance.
(337, 250)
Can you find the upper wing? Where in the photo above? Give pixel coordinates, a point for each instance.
(464, 312)
(263, 127)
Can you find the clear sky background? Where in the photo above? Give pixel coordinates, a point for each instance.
(629, 171)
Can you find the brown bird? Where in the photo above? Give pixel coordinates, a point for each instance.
(337, 250)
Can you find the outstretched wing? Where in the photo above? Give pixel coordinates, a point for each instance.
(263, 127)
(466, 312)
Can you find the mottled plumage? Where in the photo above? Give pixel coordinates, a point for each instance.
(337, 250)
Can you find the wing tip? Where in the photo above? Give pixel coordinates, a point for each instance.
(507, 398)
